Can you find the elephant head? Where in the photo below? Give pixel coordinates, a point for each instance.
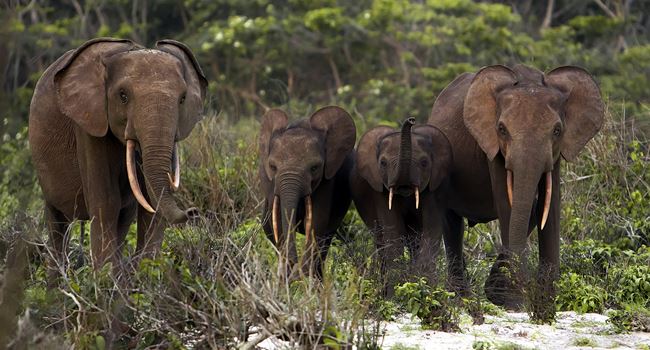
(405, 162)
(295, 158)
(530, 119)
(148, 99)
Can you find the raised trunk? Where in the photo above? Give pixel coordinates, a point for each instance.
(405, 153)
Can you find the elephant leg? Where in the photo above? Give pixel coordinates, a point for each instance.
(151, 228)
(390, 246)
(430, 238)
(321, 254)
(453, 238)
(127, 214)
(549, 237)
(58, 238)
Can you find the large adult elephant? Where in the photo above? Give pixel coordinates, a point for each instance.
(304, 172)
(104, 120)
(508, 129)
(395, 183)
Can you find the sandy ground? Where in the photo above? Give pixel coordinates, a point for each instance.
(510, 331)
(570, 331)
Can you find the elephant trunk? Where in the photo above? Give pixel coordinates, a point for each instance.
(525, 180)
(290, 191)
(405, 153)
(157, 160)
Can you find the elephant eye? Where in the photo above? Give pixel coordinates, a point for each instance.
(273, 168)
(502, 129)
(382, 163)
(123, 97)
(313, 168)
(424, 162)
(182, 99)
(557, 130)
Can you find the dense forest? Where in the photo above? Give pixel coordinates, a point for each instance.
(215, 284)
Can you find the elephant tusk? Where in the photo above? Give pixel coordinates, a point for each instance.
(509, 183)
(274, 218)
(547, 198)
(417, 197)
(133, 178)
(308, 221)
(390, 199)
(175, 182)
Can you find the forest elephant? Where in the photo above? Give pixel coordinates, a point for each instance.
(304, 171)
(104, 124)
(508, 129)
(394, 184)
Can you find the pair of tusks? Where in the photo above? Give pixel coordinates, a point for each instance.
(308, 220)
(417, 198)
(547, 197)
(133, 178)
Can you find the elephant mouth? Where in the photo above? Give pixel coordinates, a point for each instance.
(404, 191)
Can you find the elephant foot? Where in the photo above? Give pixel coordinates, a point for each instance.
(501, 287)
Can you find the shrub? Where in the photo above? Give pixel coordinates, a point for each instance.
(631, 285)
(576, 293)
(630, 318)
(433, 305)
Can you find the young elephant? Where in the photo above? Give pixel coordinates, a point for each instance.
(304, 173)
(395, 186)
(104, 120)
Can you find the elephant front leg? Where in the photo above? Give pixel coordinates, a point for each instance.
(151, 228)
(432, 227)
(57, 227)
(453, 235)
(390, 245)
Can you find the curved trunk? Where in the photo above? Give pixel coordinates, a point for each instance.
(155, 129)
(156, 161)
(525, 178)
(405, 153)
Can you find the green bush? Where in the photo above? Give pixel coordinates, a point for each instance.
(631, 284)
(576, 293)
(433, 305)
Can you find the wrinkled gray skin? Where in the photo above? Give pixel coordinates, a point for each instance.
(85, 107)
(413, 157)
(311, 157)
(522, 120)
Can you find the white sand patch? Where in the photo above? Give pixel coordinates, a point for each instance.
(570, 331)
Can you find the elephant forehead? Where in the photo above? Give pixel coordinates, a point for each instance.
(293, 142)
(146, 65)
(532, 104)
(392, 142)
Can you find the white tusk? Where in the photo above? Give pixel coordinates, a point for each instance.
(547, 198)
(390, 199)
(417, 197)
(133, 178)
(509, 182)
(308, 221)
(175, 182)
(274, 218)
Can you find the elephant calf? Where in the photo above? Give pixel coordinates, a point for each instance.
(104, 120)
(395, 184)
(304, 173)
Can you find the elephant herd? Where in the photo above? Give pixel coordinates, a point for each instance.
(105, 119)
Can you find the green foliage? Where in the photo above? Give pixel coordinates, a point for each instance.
(576, 293)
(631, 318)
(433, 305)
(633, 284)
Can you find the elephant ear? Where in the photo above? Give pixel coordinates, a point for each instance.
(80, 83)
(272, 121)
(441, 154)
(584, 110)
(480, 108)
(367, 164)
(340, 135)
(196, 84)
